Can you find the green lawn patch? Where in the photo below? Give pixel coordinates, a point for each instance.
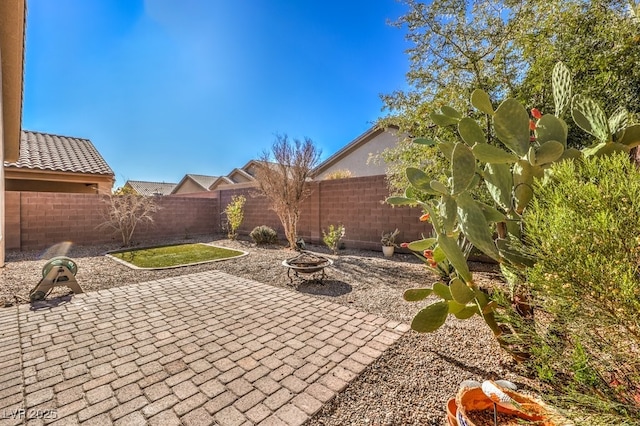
(177, 255)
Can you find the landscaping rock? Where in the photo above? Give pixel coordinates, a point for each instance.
(408, 384)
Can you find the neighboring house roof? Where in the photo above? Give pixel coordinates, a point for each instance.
(151, 188)
(203, 181)
(352, 146)
(44, 151)
(242, 173)
(12, 40)
(256, 164)
(222, 180)
(238, 176)
(253, 164)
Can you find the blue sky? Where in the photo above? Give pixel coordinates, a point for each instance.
(169, 87)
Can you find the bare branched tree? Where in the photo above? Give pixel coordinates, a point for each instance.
(125, 211)
(283, 178)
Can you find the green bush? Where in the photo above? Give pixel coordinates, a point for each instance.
(333, 236)
(584, 229)
(235, 215)
(264, 235)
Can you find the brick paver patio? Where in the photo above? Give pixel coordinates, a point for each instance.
(201, 349)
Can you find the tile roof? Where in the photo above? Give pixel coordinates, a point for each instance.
(44, 151)
(151, 188)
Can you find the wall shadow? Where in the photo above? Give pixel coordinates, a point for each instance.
(332, 288)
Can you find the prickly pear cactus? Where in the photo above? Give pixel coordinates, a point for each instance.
(521, 147)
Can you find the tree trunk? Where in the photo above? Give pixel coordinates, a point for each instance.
(634, 155)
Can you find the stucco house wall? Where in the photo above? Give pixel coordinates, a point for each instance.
(12, 38)
(354, 157)
(188, 187)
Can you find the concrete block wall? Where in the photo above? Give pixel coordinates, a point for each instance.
(256, 210)
(181, 217)
(36, 220)
(357, 203)
(12, 220)
(47, 218)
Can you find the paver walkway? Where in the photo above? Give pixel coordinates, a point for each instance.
(201, 349)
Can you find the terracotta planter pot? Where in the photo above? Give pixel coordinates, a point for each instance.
(470, 400)
(452, 412)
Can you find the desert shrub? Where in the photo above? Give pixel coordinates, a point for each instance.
(235, 215)
(583, 229)
(332, 237)
(264, 235)
(283, 177)
(339, 174)
(125, 210)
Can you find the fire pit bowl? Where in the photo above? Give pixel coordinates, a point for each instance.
(307, 263)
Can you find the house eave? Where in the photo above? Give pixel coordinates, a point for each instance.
(54, 176)
(241, 172)
(12, 35)
(350, 147)
(221, 181)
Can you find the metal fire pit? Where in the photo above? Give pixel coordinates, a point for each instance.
(307, 264)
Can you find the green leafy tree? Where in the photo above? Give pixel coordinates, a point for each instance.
(457, 46)
(597, 40)
(507, 48)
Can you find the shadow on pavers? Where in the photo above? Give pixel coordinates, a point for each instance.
(332, 288)
(50, 303)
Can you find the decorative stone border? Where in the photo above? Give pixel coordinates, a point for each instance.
(132, 266)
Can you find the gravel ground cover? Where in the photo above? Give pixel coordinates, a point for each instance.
(408, 385)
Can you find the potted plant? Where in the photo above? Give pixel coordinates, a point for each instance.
(479, 404)
(388, 241)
